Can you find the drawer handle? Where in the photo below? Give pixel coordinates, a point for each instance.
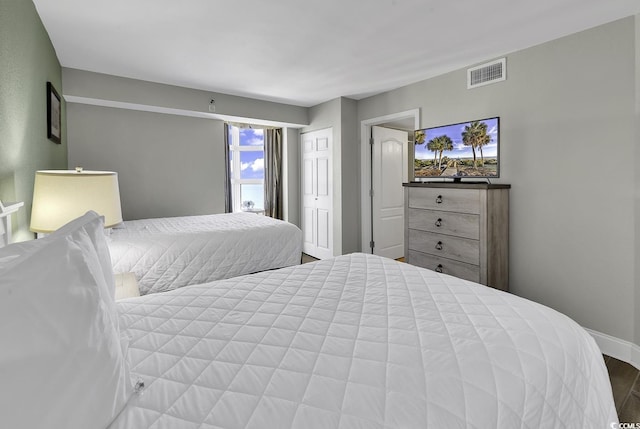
(439, 268)
(439, 245)
(439, 199)
(439, 222)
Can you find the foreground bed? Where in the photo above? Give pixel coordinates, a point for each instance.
(168, 253)
(358, 341)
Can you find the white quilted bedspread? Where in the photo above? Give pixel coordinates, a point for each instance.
(359, 342)
(168, 253)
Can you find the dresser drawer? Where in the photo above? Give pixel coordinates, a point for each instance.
(459, 200)
(443, 265)
(458, 224)
(459, 249)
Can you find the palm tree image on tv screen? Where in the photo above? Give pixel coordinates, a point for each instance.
(468, 149)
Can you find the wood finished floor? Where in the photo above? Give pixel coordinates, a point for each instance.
(306, 258)
(625, 382)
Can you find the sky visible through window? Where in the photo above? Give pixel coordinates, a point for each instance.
(251, 137)
(252, 166)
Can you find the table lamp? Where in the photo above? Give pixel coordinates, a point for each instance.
(60, 196)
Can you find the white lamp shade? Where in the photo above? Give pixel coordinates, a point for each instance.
(60, 196)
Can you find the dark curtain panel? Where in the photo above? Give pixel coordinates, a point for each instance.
(273, 173)
(228, 191)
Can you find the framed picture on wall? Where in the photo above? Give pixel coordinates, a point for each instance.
(54, 107)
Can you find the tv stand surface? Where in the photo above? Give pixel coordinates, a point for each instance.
(461, 184)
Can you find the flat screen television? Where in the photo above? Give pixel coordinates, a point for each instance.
(463, 150)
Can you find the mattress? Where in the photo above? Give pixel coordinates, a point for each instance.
(358, 341)
(168, 253)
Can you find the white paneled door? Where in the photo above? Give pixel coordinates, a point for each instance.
(317, 213)
(389, 170)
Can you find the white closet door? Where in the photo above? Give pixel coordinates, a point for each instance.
(317, 213)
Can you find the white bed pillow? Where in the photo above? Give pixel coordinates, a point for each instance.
(87, 223)
(61, 359)
(14, 251)
(91, 224)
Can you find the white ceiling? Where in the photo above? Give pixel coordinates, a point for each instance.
(305, 52)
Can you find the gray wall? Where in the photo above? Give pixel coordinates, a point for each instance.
(172, 163)
(167, 165)
(350, 171)
(291, 176)
(27, 62)
(568, 148)
(98, 86)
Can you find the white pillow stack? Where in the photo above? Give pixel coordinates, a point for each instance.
(62, 361)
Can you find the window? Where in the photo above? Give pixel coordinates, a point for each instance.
(246, 159)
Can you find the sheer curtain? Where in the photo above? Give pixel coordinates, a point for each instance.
(228, 191)
(273, 173)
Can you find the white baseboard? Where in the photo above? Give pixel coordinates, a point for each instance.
(617, 348)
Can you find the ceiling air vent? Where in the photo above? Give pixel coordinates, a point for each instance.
(484, 74)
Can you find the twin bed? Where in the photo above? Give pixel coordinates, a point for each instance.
(356, 341)
(168, 253)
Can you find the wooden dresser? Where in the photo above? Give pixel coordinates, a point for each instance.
(461, 229)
